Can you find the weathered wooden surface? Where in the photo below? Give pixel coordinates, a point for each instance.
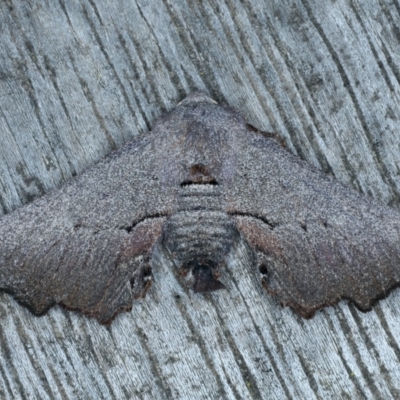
(79, 79)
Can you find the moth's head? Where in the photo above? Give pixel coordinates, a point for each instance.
(197, 97)
(198, 140)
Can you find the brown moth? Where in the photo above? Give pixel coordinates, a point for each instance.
(202, 179)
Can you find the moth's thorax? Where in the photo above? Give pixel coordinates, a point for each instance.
(200, 230)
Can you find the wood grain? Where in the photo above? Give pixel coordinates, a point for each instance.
(80, 78)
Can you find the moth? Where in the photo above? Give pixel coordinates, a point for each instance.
(201, 180)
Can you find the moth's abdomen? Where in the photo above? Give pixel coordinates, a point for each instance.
(200, 231)
(198, 236)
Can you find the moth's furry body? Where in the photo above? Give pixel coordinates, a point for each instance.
(199, 235)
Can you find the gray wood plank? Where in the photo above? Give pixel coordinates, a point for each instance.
(81, 78)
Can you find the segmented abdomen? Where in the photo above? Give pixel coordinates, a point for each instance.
(199, 230)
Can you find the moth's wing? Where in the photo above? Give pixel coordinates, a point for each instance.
(317, 241)
(87, 245)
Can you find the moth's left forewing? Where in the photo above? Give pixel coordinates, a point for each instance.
(86, 246)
